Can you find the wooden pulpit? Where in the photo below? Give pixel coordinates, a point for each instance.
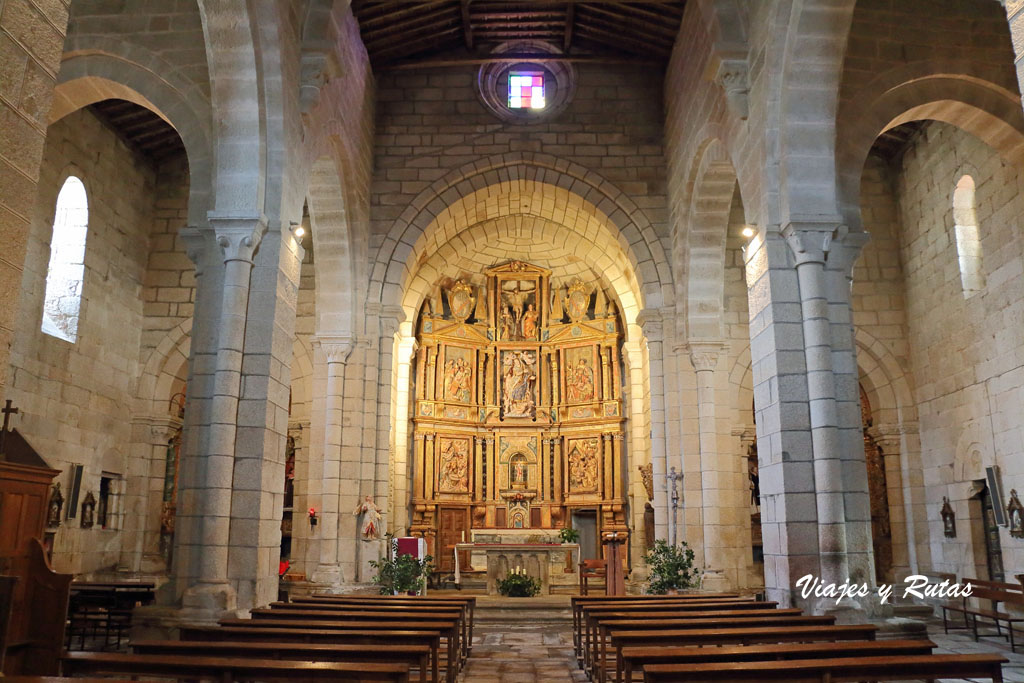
(616, 576)
(37, 596)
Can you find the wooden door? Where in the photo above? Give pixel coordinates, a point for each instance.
(993, 550)
(452, 524)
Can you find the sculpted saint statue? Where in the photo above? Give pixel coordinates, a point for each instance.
(371, 519)
(530, 322)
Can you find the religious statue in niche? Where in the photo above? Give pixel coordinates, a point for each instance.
(948, 519)
(461, 300)
(518, 320)
(583, 465)
(647, 476)
(458, 375)
(577, 301)
(371, 519)
(519, 379)
(1015, 515)
(88, 510)
(56, 505)
(579, 377)
(517, 471)
(453, 472)
(753, 474)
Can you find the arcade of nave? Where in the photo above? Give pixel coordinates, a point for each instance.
(808, 125)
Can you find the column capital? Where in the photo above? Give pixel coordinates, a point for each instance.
(161, 427)
(238, 236)
(336, 347)
(846, 251)
(197, 242)
(704, 353)
(732, 77)
(390, 318)
(811, 240)
(651, 322)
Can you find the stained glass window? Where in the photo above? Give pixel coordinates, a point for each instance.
(525, 90)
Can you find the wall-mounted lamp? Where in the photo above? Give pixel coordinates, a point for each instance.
(748, 232)
(312, 517)
(299, 232)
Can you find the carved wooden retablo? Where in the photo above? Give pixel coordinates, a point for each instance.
(518, 410)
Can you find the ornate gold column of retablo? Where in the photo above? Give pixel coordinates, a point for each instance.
(518, 421)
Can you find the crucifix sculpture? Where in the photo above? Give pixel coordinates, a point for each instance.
(673, 477)
(7, 411)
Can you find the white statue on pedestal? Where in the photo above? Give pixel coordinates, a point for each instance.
(371, 521)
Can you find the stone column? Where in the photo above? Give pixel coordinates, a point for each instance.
(811, 245)
(651, 324)
(786, 465)
(237, 238)
(140, 546)
(704, 355)
(889, 438)
(336, 350)
(262, 427)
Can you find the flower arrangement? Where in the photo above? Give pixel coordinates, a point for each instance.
(519, 584)
(671, 568)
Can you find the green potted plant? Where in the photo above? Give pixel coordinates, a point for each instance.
(401, 574)
(519, 584)
(671, 568)
(568, 535)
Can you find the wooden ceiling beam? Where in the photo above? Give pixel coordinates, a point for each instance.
(476, 61)
(467, 24)
(632, 20)
(618, 40)
(412, 47)
(389, 15)
(425, 32)
(412, 24)
(570, 18)
(610, 30)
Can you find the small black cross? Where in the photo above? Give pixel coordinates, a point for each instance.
(7, 411)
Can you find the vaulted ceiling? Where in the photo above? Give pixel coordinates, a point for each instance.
(396, 31)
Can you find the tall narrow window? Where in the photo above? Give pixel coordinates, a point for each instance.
(968, 241)
(67, 262)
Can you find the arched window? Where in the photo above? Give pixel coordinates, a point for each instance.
(968, 241)
(67, 262)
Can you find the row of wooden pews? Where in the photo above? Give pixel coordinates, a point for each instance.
(727, 637)
(335, 637)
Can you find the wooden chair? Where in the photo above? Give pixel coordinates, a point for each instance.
(590, 569)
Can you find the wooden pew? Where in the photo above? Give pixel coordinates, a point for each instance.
(632, 659)
(467, 604)
(584, 636)
(228, 669)
(580, 603)
(834, 670)
(394, 618)
(106, 606)
(448, 629)
(599, 650)
(742, 635)
(431, 639)
(411, 655)
(996, 593)
(420, 609)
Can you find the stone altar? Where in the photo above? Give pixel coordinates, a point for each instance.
(542, 556)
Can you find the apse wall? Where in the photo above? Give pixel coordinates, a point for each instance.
(432, 122)
(966, 352)
(76, 399)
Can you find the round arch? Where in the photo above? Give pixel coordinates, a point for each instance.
(984, 109)
(410, 234)
(89, 78)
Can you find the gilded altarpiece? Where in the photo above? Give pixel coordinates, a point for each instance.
(518, 415)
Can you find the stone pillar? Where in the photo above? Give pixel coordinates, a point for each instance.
(33, 38)
(336, 350)
(140, 545)
(889, 438)
(715, 474)
(651, 324)
(262, 426)
(811, 245)
(788, 510)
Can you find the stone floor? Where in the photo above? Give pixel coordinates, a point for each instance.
(511, 647)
